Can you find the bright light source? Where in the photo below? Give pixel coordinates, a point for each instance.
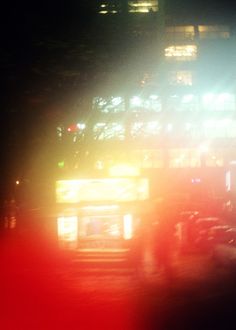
(17, 182)
(81, 126)
(136, 101)
(67, 228)
(72, 128)
(128, 226)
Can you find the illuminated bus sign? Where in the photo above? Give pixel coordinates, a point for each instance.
(97, 190)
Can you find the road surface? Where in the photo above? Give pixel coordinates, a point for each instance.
(42, 289)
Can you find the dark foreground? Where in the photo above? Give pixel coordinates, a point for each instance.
(42, 289)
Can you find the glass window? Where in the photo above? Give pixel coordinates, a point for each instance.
(219, 128)
(178, 33)
(186, 102)
(181, 53)
(145, 129)
(141, 6)
(218, 102)
(109, 7)
(108, 131)
(213, 31)
(111, 104)
(151, 103)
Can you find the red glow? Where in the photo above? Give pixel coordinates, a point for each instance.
(72, 128)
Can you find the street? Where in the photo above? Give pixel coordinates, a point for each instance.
(42, 289)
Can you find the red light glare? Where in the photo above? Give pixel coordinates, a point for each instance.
(72, 128)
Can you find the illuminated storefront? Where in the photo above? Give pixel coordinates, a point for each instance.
(99, 213)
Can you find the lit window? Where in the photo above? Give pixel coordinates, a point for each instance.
(108, 131)
(141, 6)
(144, 130)
(219, 128)
(218, 102)
(111, 104)
(109, 7)
(182, 78)
(150, 103)
(181, 53)
(213, 31)
(178, 33)
(186, 102)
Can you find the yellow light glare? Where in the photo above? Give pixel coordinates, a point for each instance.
(122, 170)
(108, 189)
(128, 226)
(67, 228)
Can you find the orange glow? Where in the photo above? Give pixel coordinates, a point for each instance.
(95, 190)
(128, 226)
(67, 228)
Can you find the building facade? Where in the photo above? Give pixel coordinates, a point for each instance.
(181, 115)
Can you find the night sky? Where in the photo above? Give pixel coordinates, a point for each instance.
(37, 36)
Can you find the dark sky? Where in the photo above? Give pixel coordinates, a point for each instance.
(26, 28)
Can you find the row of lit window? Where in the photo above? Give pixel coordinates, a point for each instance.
(154, 103)
(181, 52)
(134, 6)
(189, 32)
(210, 129)
(139, 130)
